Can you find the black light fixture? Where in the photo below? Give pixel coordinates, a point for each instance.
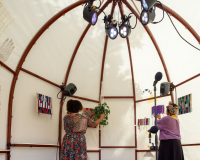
(69, 90)
(89, 13)
(110, 27)
(125, 27)
(148, 4)
(147, 16)
(124, 30)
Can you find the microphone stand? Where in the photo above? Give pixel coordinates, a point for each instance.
(156, 138)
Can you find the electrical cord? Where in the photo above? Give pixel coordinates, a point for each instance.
(58, 94)
(130, 17)
(176, 28)
(99, 5)
(57, 148)
(159, 3)
(96, 7)
(102, 11)
(175, 96)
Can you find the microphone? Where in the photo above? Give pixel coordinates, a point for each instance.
(158, 77)
(153, 129)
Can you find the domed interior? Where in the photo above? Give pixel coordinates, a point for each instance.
(47, 44)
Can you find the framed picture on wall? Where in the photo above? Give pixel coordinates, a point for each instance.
(43, 104)
(185, 104)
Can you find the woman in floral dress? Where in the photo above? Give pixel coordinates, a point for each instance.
(75, 125)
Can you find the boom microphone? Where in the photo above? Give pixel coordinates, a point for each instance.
(153, 129)
(158, 77)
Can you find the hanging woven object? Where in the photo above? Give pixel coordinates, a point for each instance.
(143, 122)
(43, 104)
(185, 104)
(160, 110)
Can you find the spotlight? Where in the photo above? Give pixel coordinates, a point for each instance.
(147, 17)
(110, 27)
(112, 31)
(124, 30)
(148, 4)
(90, 13)
(125, 27)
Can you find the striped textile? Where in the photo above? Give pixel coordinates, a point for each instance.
(43, 104)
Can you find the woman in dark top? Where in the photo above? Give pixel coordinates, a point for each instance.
(170, 144)
(75, 125)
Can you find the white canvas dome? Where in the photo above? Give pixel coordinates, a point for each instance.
(45, 44)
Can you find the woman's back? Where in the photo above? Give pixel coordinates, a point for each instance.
(169, 128)
(77, 123)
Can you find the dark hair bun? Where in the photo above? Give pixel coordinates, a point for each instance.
(74, 106)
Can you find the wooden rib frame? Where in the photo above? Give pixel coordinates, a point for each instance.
(42, 30)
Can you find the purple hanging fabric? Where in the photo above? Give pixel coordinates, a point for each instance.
(160, 109)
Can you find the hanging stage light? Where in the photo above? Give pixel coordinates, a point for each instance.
(148, 4)
(89, 13)
(124, 30)
(110, 27)
(111, 30)
(125, 27)
(148, 13)
(147, 16)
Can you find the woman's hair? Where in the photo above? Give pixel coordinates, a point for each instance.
(172, 108)
(74, 106)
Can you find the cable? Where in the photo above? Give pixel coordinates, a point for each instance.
(175, 96)
(58, 94)
(85, 3)
(163, 12)
(57, 148)
(176, 28)
(99, 5)
(102, 11)
(135, 22)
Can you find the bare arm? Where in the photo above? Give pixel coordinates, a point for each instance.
(100, 119)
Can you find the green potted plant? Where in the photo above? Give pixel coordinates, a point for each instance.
(98, 110)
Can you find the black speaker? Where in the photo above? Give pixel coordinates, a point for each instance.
(164, 88)
(69, 90)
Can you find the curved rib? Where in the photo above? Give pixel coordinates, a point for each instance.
(27, 50)
(181, 20)
(70, 65)
(132, 73)
(154, 42)
(102, 67)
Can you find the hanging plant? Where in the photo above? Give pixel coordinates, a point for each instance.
(98, 110)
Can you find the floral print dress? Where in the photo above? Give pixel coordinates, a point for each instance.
(74, 141)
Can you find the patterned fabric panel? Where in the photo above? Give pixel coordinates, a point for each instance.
(44, 104)
(185, 104)
(160, 109)
(77, 123)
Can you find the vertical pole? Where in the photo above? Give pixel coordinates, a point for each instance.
(156, 141)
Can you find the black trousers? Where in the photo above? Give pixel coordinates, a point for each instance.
(170, 149)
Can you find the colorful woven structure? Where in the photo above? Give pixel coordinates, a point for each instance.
(43, 104)
(185, 104)
(160, 109)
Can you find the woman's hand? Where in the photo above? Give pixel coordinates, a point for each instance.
(158, 116)
(102, 115)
